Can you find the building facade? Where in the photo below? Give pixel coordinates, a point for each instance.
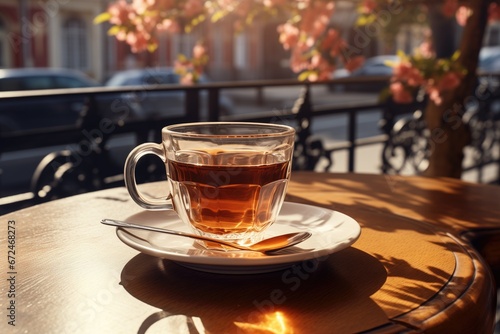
(51, 33)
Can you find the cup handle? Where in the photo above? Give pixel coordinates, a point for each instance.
(137, 153)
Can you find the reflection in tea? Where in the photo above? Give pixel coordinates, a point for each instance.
(229, 199)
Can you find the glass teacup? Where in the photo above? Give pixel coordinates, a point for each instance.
(227, 180)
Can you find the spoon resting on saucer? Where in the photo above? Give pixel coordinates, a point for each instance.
(267, 245)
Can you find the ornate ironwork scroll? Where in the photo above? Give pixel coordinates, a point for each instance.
(407, 147)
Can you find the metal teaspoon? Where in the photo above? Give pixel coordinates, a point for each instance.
(267, 245)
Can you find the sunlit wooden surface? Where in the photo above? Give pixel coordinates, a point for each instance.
(410, 270)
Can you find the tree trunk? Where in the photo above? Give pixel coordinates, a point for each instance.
(449, 134)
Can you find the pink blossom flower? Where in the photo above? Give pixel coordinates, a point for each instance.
(368, 6)
(434, 95)
(274, 3)
(494, 12)
(298, 61)
(400, 93)
(193, 7)
(316, 17)
(164, 5)
(462, 15)
(187, 79)
(406, 72)
(449, 81)
(199, 51)
(333, 43)
(168, 25)
(318, 62)
(241, 8)
(138, 41)
(141, 6)
(313, 76)
(119, 11)
(289, 35)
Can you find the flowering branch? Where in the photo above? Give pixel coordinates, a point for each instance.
(190, 70)
(315, 47)
(430, 75)
(423, 73)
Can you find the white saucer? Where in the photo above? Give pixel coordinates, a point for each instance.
(331, 232)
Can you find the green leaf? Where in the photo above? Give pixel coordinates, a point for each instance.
(218, 15)
(295, 19)
(365, 20)
(390, 63)
(384, 95)
(455, 55)
(250, 18)
(152, 47)
(103, 17)
(304, 75)
(114, 30)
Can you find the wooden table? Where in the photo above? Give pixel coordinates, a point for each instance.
(409, 271)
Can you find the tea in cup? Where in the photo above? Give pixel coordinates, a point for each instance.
(227, 180)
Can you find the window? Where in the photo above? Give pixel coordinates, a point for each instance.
(26, 83)
(37, 82)
(69, 82)
(75, 49)
(240, 51)
(184, 43)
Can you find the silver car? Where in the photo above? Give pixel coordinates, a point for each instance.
(153, 104)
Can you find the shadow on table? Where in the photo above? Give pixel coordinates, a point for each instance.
(302, 297)
(436, 200)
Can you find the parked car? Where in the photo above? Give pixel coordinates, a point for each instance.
(44, 111)
(150, 104)
(372, 67)
(489, 59)
(42, 78)
(489, 67)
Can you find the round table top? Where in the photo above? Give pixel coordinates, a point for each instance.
(69, 273)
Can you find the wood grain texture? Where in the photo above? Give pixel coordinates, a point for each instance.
(403, 274)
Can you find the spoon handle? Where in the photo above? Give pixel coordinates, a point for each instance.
(119, 223)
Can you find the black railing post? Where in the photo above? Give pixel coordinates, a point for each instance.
(213, 104)
(303, 110)
(497, 181)
(351, 137)
(386, 124)
(192, 105)
(260, 96)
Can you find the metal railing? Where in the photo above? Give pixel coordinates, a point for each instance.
(106, 112)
